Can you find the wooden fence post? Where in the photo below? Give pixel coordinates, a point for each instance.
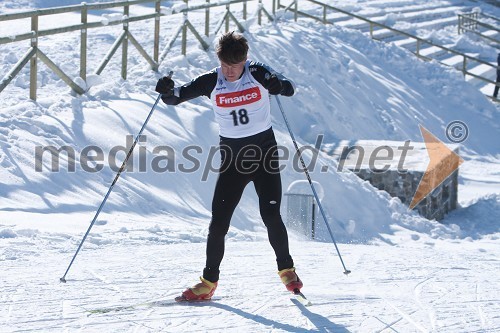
(125, 42)
(259, 18)
(207, 19)
(83, 43)
(296, 10)
(33, 60)
(156, 50)
(184, 31)
(227, 18)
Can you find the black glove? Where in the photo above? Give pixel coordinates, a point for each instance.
(273, 84)
(165, 86)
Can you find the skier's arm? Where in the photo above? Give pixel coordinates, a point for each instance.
(275, 83)
(200, 86)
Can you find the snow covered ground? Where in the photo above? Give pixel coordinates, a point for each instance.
(408, 274)
(423, 285)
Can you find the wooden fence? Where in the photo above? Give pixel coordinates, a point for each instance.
(34, 53)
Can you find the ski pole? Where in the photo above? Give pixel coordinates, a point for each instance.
(63, 279)
(346, 271)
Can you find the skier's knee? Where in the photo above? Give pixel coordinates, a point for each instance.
(218, 229)
(270, 213)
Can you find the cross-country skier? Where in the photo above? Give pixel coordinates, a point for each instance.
(240, 92)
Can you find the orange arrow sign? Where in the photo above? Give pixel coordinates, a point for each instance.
(443, 162)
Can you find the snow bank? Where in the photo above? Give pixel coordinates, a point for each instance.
(355, 89)
(7, 233)
(479, 219)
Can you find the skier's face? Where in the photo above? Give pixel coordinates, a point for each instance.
(232, 72)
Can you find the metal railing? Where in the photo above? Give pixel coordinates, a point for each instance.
(34, 52)
(420, 42)
(467, 22)
(470, 22)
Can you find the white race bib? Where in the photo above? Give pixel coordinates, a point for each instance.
(241, 107)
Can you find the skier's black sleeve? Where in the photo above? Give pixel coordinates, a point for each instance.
(203, 85)
(259, 72)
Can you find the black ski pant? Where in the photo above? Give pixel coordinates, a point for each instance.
(495, 91)
(244, 160)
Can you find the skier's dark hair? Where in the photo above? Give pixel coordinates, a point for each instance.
(232, 48)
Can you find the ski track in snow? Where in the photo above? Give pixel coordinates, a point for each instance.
(397, 288)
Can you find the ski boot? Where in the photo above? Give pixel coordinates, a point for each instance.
(202, 291)
(290, 279)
